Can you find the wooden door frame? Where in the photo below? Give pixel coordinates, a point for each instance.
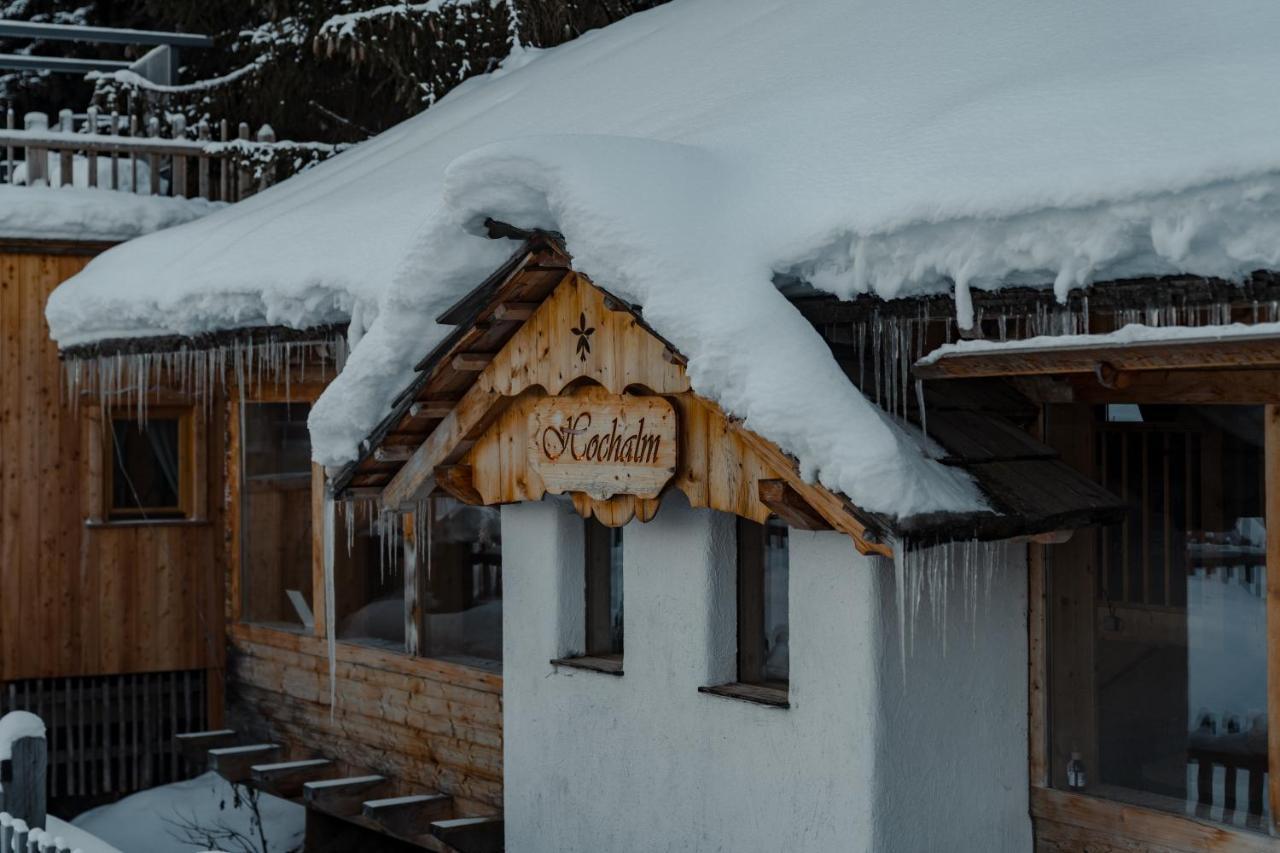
(1106, 817)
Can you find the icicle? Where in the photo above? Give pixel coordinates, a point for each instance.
(900, 583)
(330, 611)
(924, 421)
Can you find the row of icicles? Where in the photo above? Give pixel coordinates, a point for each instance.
(130, 380)
(889, 344)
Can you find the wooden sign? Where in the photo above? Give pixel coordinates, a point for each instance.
(603, 445)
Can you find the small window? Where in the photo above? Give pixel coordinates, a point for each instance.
(603, 550)
(275, 515)
(462, 584)
(148, 475)
(763, 622)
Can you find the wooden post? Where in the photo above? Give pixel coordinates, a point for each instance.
(24, 786)
(244, 186)
(267, 135)
(1272, 464)
(9, 123)
(202, 162)
(6, 832)
(66, 156)
(153, 159)
(133, 155)
(19, 836)
(115, 158)
(92, 125)
(224, 176)
(178, 174)
(37, 158)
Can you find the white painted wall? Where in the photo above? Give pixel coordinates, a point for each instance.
(604, 764)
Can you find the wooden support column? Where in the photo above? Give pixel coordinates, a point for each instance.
(1272, 420)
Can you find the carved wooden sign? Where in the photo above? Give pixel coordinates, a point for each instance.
(603, 445)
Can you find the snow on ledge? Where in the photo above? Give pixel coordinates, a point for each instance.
(72, 213)
(1134, 333)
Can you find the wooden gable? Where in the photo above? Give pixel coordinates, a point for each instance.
(581, 347)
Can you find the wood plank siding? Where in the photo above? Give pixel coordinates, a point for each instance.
(427, 725)
(79, 600)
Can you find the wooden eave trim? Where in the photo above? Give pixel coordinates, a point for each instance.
(1108, 362)
(207, 341)
(35, 246)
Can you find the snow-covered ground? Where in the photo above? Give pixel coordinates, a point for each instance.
(690, 153)
(161, 820)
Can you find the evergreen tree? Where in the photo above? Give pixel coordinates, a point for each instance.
(327, 70)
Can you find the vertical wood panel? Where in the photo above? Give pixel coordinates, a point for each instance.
(1273, 608)
(89, 600)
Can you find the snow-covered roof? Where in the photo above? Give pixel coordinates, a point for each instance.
(690, 153)
(72, 213)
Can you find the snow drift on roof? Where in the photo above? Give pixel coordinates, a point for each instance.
(690, 152)
(67, 213)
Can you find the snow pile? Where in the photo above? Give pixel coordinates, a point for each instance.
(15, 726)
(67, 213)
(691, 152)
(162, 820)
(75, 838)
(1133, 333)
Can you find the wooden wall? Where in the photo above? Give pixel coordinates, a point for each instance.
(76, 600)
(430, 725)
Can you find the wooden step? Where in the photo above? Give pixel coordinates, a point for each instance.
(194, 746)
(286, 778)
(408, 816)
(471, 834)
(233, 763)
(344, 797)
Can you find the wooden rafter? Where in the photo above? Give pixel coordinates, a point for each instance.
(1109, 364)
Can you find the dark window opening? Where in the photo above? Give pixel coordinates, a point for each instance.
(763, 615)
(603, 552)
(146, 469)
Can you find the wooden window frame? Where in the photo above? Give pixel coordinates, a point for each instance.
(751, 543)
(99, 447)
(303, 395)
(1091, 819)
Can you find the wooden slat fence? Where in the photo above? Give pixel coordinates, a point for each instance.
(112, 734)
(154, 157)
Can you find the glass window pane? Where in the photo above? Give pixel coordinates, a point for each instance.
(777, 658)
(603, 552)
(275, 515)
(146, 474)
(368, 581)
(1159, 667)
(463, 584)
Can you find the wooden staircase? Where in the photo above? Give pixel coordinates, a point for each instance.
(424, 821)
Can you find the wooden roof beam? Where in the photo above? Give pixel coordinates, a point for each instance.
(514, 312)
(787, 504)
(471, 362)
(1109, 362)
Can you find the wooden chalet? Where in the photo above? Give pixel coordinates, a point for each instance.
(111, 620)
(428, 647)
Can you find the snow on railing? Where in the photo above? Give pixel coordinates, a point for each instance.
(17, 837)
(115, 152)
